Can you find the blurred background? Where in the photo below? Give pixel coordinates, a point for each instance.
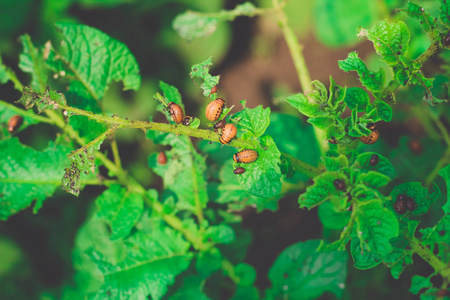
(253, 60)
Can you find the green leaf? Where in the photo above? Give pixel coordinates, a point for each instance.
(246, 274)
(336, 20)
(32, 61)
(300, 102)
(171, 93)
(429, 24)
(150, 264)
(336, 163)
(384, 111)
(95, 59)
(6, 74)
(445, 13)
(301, 272)
(337, 130)
(191, 25)
(318, 92)
(192, 288)
(82, 161)
(262, 177)
(376, 226)
(337, 94)
(201, 71)
(255, 120)
(423, 197)
(373, 179)
(373, 81)
(183, 174)
(418, 283)
(220, 234)
(445, 173)
(363, 258)
(322, 189)
(247, 293)
(438, 238)
(209, 262)
(122, 210)
(356, 98)
(300, 142)
(231, 192)
(332, 219)
(383, 166)
(389, 40)
(22, 179)
(322, 122)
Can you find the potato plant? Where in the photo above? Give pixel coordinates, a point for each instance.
(184, 239)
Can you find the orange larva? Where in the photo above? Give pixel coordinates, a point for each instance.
(14, 123)
(214, 89)
(370, 139)
(228, 133)
(176, 112)
(245, 156)
(214, 109)
(162, 158)
(373, 137)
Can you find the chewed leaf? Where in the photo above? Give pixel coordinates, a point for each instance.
(191, 24)
(48, 99)
(95, 59)
(373, 81)
(445, 13)
(262, 177)
(429, 24)
(302, 272)
(201, 71)
(82, 161)
(255, 120)
(389, 40)
(22, 179)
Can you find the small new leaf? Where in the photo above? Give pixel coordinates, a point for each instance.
(300, 102)
(429, 24)
(373, 81)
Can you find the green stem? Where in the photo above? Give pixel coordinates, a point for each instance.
(296, 50)
(26, 113)
(228, 269)
(115, 151)
(298, 165)
(426, 254)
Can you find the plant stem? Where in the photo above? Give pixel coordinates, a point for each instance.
(298, 165)
(228, 269)
(296, 50)
(427, 255)
(115, 151)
